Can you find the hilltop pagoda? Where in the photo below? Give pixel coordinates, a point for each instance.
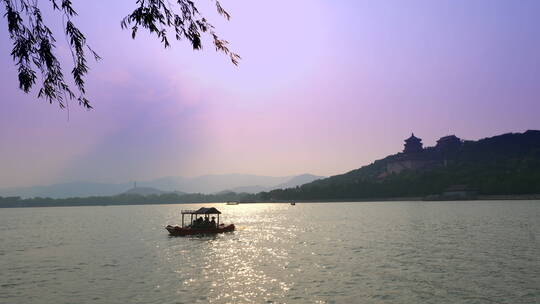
(413, 144)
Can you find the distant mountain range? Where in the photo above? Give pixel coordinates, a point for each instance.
(291, 183)
(144, 191)
(80, 189)
(227, 182)
(206, 184)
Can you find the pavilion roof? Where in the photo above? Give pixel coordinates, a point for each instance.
(202, 210)
(449, 137)
(413, 138)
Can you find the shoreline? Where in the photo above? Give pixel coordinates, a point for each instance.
(520, 197)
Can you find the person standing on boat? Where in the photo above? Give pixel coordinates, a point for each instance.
(213, 222)
(198, 222)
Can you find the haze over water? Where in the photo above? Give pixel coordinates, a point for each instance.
(384, 252)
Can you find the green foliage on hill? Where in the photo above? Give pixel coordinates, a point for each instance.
(505, 164)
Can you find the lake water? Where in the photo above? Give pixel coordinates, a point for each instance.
(381, 252)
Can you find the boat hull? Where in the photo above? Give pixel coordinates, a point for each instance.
(179, 231)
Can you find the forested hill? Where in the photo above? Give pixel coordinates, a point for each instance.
(504, 164)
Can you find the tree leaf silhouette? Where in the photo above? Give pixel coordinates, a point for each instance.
(34, 43)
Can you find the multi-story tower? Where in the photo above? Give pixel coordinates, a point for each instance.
(413, 144)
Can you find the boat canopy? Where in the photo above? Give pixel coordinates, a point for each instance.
(202, 210)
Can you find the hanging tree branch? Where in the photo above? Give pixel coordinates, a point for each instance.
(158, 16)
(34, 43)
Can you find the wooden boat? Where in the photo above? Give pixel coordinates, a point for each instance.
(232, 203)
(183, 231)
(198, 225)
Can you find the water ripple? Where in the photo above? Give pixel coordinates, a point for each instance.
(398, 252)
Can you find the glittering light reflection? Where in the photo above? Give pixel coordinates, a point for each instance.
(241, 267)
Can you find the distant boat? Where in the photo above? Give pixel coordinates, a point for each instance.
(200, 226)
(232, 203)
(293, 203)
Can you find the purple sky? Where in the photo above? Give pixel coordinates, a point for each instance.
(324, 87)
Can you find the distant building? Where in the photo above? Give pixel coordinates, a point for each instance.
(413, 144)
(448, 143)
(415, 157)
(411, 159)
